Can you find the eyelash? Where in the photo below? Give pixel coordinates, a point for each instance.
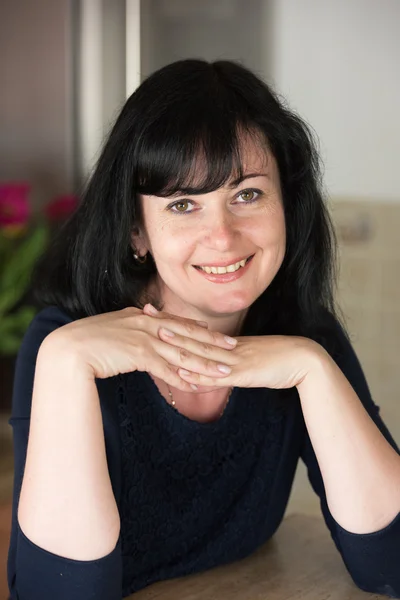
(188, 212)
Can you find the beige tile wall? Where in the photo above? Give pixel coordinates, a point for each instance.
(369, 294)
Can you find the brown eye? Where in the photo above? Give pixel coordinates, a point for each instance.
(247, 195)
(182, 203)
(180, 207)
(250, 195)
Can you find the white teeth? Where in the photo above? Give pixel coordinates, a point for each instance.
(228, 269)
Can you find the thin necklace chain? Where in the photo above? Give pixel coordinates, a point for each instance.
(173, 403)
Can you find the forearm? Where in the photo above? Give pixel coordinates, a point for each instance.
(360, 470)
(66, 503)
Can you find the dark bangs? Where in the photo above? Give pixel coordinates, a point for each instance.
(192, 162)
(193, 144)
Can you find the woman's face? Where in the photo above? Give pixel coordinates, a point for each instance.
(239, 220)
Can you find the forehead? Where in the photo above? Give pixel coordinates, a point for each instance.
(217, 160)
(254, 157)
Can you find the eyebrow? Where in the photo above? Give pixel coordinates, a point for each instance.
(233, 184)
(239, 180)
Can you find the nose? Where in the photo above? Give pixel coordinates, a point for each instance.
(220, 230)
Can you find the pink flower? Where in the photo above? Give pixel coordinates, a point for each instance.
(61, 207)
(14, 204)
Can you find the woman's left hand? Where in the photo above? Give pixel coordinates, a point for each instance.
(272, 361)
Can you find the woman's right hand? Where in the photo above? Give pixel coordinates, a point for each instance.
(127, 340)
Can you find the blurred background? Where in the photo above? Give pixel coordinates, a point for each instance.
(66, 68)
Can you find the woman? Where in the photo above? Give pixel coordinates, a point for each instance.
(165, 442)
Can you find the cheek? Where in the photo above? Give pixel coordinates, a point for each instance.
(271, 230)
(278, 226)
(172, 249)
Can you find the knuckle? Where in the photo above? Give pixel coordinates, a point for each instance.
(183, 355)
(215, 338)
(139, 350)
(189, 328)
(139, 320)
(218, 339)
(169, 369)
(207, 348)
(211, 366)
(168, 372)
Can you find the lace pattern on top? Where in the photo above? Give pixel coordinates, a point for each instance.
(194, 495)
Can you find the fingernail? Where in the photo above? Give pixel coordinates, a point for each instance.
(194, 386)
(167, 332)
(224, 369)
(230, 340)
(151, 309)
(184, 372)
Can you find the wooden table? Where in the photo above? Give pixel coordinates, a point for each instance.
(300, 562)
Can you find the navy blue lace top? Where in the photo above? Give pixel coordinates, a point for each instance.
(191, 495)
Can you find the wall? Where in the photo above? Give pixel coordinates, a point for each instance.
(36, 141)
(113, 60)
(337, 62)
(176, 29)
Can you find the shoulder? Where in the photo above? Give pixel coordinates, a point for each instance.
(45, 322)
(331, 332)
(337, 342)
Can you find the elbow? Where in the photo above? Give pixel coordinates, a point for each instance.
(391, 590)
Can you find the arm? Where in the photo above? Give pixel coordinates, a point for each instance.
(360, 469)
(58, 546)
(370, 544)
(66, 454)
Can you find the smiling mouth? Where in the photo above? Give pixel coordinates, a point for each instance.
(214, 270)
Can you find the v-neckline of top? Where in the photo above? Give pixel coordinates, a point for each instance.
(173, 413)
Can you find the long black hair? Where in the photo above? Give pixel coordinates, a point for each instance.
(186, 108)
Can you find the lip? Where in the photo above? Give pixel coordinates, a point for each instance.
(226, 277)
(224, 264)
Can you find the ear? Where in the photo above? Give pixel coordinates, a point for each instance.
(139, 242)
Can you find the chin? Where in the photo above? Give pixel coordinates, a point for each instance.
(224, 308)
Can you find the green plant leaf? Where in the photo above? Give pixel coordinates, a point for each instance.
(18, 320)
(10, 344)
(16, 275)
(8, 299)
(25, 255)
(6, 247)
(5, 242)
(13, 328)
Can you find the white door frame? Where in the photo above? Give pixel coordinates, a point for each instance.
(132, 45)
(89, 93)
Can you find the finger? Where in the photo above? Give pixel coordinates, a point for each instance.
(192, 333)
(149, 309)
(196, 356)
(187, 329)
(169, 373)
(219, 339)
(204, 380)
